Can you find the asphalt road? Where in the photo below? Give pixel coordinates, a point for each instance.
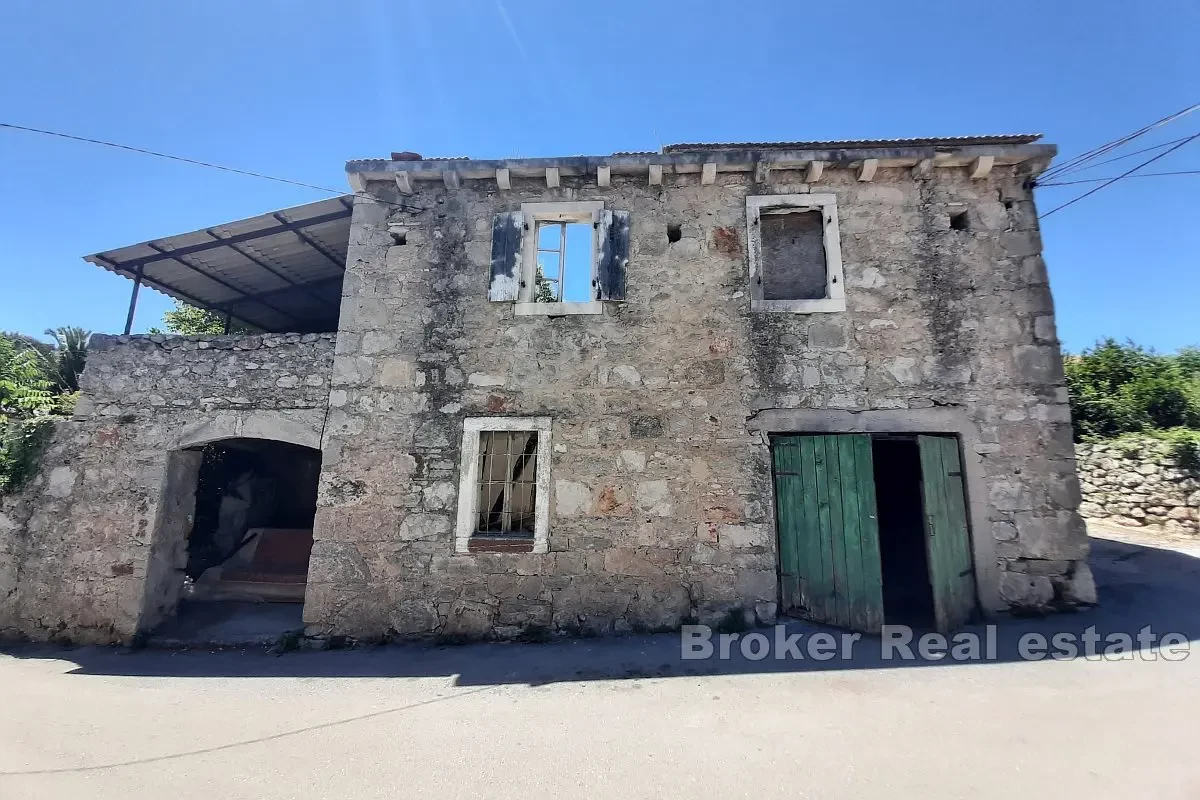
(624, 717)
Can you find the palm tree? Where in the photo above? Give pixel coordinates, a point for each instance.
(66, 360)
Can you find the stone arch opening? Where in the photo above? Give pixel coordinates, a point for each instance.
(232, 539)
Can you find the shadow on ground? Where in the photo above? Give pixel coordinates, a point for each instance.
(1139, 586)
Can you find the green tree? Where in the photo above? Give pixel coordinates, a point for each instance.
(1124, 388)
(37, 383)
(543, 291)
(24, 389)
(188, 320)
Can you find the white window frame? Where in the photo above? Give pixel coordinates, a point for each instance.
(835, 284)
(468, 483)
(589, 212)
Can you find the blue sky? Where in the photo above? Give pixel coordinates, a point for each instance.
(295, 89)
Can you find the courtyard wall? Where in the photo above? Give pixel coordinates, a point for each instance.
(76, 543)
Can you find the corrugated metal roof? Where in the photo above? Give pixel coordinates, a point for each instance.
(947, 141)
(280, 272)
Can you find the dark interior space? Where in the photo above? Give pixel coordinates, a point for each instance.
(255, 502)
(907, 593)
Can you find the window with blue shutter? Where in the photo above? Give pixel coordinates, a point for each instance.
(553, 259)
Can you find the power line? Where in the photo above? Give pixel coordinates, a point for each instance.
(1101, 180)
(1083, 167)
(1119, 177)
(1110, 146)
(168, 156)
(194, 162)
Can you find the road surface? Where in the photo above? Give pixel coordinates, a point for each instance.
(623, 717)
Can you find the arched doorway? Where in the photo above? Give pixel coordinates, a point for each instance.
(252, 534)
(232, 541)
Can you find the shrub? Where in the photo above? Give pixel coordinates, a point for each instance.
(1123, 388)
(21, 444)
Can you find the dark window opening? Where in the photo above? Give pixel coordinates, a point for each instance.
(959, 221)
(507, 483)
(793, 255)
(399, 237)
(907, 592)
(252, 535)
(674, 233)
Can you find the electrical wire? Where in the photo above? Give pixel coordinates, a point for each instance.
(1101, 180)
(1119, 158)
(1126, 174)
(1110, 146)
(194, 162)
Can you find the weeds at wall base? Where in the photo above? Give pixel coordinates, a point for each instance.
(21, 446)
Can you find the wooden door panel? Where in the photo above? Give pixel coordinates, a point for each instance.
(947, 534)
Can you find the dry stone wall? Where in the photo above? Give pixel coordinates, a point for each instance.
(661, 490)
(76, 541)
(1138, 484)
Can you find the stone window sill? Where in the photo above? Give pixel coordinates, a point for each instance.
(557, 309)
(500, 544)
(826, 305)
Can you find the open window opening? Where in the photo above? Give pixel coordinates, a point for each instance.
(553, 259)
(564, 263)
(794, 254)
(907, 592)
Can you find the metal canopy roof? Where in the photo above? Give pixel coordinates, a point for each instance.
(278, 272)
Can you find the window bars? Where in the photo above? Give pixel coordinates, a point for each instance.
(507, 483)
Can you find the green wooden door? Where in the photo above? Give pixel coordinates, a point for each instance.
(947, 537)
(828, 530)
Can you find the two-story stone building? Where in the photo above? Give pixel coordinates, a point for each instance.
(583, 395)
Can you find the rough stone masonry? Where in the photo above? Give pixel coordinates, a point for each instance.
(659, 402)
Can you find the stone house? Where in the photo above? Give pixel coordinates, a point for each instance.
(582, 395)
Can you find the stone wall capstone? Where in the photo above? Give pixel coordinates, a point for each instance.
(1138, 484)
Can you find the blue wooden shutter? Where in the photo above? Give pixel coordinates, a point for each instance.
(613, 255)
(507, 233)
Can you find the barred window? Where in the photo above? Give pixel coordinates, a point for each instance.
(504, 486)
(507, 482)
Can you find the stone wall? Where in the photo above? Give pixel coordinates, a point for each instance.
(1138, 484)
(662, 492)
(156, 373)
(77, 540)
